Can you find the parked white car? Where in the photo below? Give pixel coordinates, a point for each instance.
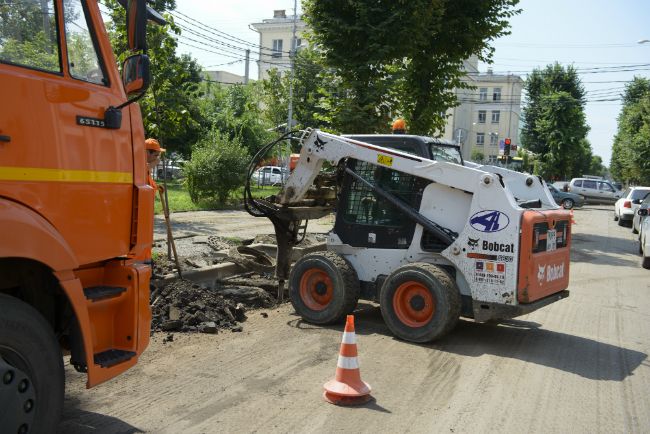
(628, 204)
(645, 243)
(270, 175)
(640, 216)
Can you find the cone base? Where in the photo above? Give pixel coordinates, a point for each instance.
(346, 400)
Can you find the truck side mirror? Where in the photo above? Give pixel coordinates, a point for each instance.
(135, 74)
(136, 25)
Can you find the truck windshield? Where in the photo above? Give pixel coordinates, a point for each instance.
(445, 153)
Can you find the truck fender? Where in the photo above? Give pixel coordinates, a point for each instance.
(26, 234)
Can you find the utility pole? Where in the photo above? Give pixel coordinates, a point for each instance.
(292, 54)
(248, 58)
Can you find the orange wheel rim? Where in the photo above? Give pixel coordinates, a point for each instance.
(316, 289)
(414, 304)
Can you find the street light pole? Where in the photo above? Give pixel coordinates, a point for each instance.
(292, 55)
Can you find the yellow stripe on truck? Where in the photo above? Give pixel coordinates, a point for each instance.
(63, 175)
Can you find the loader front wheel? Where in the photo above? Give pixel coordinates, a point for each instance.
(323, 287)
(420, 302)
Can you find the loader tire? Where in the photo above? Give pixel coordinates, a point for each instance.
(420, 302)
(32, 379)
(323, 287)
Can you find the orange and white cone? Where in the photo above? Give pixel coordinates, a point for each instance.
(347, 388)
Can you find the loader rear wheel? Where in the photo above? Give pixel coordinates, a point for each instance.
(31, 370)
(323, 287)
(420, 302)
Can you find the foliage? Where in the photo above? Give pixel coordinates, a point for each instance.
(169, 108)
(631, 147)
(388, 57)
(477, 156)
(218, 167)
(311, 86)
(554, 122)
(235, 112)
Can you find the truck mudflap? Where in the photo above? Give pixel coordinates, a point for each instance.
(544, 255)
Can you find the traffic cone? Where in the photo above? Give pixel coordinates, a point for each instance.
(573, 222)
(347, 388)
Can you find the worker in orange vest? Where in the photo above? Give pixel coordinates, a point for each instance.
(399, 126)
(154, 152)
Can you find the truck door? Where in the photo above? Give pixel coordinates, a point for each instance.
(57, 77)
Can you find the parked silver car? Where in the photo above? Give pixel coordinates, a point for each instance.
(595, 190)
(625, 208)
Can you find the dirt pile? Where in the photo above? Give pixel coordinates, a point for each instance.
(185, 306)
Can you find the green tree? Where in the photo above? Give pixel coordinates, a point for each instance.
(631, 147)
(311, 87)
(477, 156)
(235, 112)
(554, 122)
(169, 108)
(401, 56)
(217, 167)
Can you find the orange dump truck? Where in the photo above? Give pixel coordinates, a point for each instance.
(75, 207)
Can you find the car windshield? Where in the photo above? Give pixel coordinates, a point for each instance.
(450, 154)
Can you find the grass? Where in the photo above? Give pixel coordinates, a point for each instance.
(179, 198)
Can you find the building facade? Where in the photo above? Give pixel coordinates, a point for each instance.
(487, 115)
(276, 42)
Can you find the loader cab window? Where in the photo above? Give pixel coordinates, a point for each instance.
(363, 212)
(29, 34)
(83, 59)
(448, 154)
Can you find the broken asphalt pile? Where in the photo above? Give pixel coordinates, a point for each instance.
(186, 306)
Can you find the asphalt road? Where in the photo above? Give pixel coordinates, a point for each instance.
(579, 365)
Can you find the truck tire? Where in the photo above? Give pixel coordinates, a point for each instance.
(420, 302)
(323, 287)
(32, 379)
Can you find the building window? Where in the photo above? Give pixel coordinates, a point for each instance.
(496, 96)
(480, 139)
(494, 139)
(277, 48)
(496, 115)
(481, 116)
(297, 44)
(482, 94)
(492, 159)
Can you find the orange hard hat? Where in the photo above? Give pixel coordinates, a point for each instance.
(153, 145)
(399, 124)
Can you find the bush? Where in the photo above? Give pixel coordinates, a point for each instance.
(218, 167)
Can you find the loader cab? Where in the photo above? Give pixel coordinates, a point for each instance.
(364, 219)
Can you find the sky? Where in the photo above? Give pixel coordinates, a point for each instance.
(597, 37)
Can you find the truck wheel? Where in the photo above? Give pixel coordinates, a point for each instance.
(420, 302)
(32, 379)
(323, 287)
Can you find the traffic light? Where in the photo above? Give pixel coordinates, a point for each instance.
(506, 148)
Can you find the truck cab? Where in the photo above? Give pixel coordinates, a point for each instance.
(76, 211)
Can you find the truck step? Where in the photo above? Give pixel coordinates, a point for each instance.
(96, 293)
(109, 358)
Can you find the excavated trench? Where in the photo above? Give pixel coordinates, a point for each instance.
(221, 280)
